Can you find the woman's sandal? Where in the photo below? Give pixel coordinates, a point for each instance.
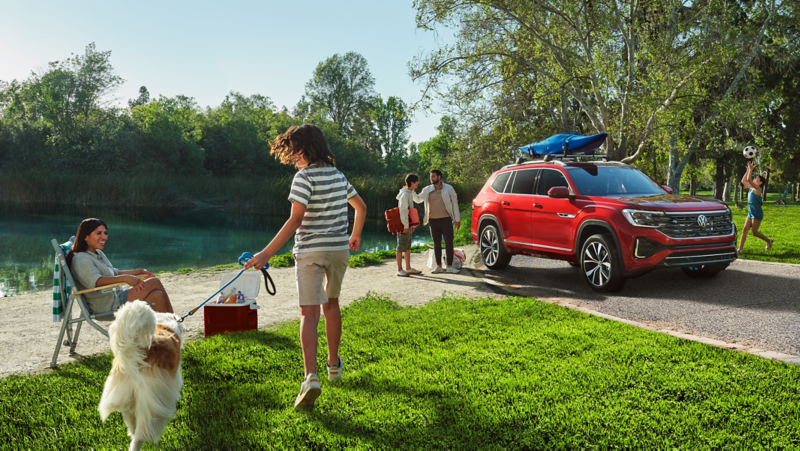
(739, 251)
(769, 245)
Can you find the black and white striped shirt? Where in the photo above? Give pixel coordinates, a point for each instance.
(325, 192)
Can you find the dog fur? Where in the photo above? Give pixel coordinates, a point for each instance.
(145, 382)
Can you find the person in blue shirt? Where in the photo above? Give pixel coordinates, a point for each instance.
(754, 212)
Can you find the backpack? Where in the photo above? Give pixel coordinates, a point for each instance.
(395, 225)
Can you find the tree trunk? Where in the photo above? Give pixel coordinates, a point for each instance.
(674, 176)
(719, 180)
(693, 187)
(726, 192)
(765, 188)
(736, 192)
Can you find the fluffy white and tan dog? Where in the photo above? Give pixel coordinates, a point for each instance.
(145, 380)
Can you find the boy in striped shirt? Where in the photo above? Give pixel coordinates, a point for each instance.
(319, 196)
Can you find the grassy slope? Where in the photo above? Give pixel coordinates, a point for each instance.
(454, 373)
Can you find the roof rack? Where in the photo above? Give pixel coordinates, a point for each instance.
(560, 158)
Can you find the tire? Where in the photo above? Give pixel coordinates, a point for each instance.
(601, 265)
(701, 271)
(493, 251)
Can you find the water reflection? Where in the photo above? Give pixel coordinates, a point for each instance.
(155, 239)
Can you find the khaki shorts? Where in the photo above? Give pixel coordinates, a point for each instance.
(404, 241)
(311, 271)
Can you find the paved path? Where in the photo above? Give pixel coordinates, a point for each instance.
(751, 303)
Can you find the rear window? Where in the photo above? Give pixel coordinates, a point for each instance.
(499, 183)
(613, 181)
(524, 181)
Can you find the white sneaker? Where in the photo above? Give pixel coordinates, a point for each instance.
(309, 392)
(437, 270)
(402, 273)
(452, 270)
(335, 372)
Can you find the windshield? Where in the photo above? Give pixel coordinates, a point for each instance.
(613, 181)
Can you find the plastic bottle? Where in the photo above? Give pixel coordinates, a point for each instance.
(240, 298)
(221, 299)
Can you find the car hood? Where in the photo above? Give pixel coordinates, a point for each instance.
(672, 202)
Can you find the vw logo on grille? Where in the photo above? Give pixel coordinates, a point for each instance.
(702, 221)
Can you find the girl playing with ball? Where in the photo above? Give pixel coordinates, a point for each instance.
(754, 212)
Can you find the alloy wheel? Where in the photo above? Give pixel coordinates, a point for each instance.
(597, 264)
(490, 246)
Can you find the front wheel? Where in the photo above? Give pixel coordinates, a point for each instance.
(493, 251)
(601, 264)
(700, 271)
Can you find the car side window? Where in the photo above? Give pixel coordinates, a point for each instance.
(524, 181)
(550, 178)
(499, 182)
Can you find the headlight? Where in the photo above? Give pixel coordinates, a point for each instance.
(643, 218)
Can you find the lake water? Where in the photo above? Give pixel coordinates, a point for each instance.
(155, 239)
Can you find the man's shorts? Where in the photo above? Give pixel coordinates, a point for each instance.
(311, 271)
(404, 241)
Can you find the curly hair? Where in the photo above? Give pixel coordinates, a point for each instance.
(308, 139)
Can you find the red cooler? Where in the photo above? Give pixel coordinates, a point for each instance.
(220, 318)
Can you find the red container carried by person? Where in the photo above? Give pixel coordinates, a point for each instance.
(235, 317)
(395, 225)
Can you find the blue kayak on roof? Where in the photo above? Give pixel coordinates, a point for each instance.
(566, 144)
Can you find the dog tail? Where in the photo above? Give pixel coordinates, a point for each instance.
(131, 334)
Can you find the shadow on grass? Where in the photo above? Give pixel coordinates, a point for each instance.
(450, 420)
(230, 382)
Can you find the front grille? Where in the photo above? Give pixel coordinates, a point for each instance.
(686, 225)
(684, 259)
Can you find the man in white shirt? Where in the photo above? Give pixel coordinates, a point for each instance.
(441, 211)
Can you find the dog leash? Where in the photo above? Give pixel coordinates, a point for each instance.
(244, 258)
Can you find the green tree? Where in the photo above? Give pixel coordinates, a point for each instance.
(392, 120)
(144, 97)
(341, 88)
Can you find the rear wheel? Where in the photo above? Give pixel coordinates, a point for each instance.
(699, 271)
(601, 264)
(493, 251)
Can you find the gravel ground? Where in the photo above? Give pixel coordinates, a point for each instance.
(751, 303)
(29, 335)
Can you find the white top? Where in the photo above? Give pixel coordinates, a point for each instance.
(448, 196)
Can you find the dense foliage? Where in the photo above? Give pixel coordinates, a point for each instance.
(678, 86)
(58, 122)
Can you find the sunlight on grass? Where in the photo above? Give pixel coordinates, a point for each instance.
(454, 373)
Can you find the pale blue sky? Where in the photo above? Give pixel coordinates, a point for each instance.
(205, 49)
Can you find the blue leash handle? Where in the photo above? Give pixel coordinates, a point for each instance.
(244, 258)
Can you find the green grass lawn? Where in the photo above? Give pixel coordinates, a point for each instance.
(455, 373)
(781, 223)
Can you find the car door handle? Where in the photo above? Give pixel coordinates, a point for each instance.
(537, 205)
(505, 202)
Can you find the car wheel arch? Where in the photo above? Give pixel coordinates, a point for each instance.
(591, 227)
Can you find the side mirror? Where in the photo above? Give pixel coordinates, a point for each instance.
(558, 192)
(667, 189)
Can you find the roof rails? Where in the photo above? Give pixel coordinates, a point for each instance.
(560, 159)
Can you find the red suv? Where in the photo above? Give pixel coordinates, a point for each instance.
(611, 220)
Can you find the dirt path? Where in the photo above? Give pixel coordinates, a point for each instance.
(28, 334)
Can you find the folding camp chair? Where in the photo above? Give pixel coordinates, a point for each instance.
(62, 282)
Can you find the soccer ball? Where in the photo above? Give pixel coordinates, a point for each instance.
(749, 152)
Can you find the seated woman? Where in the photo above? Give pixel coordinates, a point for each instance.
(91, 269)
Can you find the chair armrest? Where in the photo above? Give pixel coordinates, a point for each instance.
(104, 287)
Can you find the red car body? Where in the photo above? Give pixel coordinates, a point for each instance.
(640, 232)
